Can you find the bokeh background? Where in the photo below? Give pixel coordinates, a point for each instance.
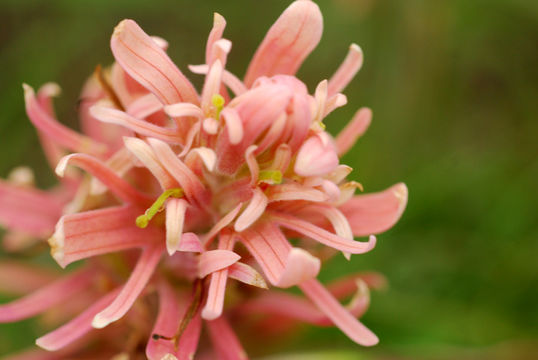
(454, 90)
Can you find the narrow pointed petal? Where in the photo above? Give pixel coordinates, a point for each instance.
(215, 260)
(175, 216)
(270, 249)
(96, 232)
(224, 340)
(323, 236)
(219, 23)
(217, 285)
(145, 154)
(46, 297)
(246, 274)
(119, 187)
(347, 70)
(253, 211)
(138, 279)
(289, 41)
(377, 212)
(230, 80)
(30, 210)
(148, 64)
(353, 131)
(316, 157)
(75, 328)
(117, 117)
(341, 317)
(62, 135)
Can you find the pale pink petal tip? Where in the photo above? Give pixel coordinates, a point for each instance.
(214, 260)
(56, 242)
(316, 156)
(300, 266)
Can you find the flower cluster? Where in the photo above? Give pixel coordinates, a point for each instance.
(207, 187)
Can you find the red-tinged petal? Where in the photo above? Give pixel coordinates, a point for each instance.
(30, 210)
(144, 106)
(221, 224)
(229, 79)
(148, 64)
(146, 155)
(246, 274)
(323, 236)
(119, 187)
(195, 191)
(225, 342)
(317, 156)
(46, 297)
(253, 211)
(168, 319)
(341, 317)
(219, 23)
(75, 328)
(57, 132)
(141, 127)
(300, 266)
(138, 279)
(291, 192)
(18, 278)
(190, 243)
(355, 129)
(289, 41)
(217, 285)
(175, 216)
(347, 70)
(214, 260)
(96, 232)
(270, 249)
(377, 212)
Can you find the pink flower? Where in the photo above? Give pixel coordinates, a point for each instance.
(209, 187)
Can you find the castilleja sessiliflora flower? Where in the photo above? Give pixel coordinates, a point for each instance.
(209, 187)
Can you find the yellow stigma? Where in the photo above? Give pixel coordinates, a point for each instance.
(270, 176)
(218, 102)
(143, 220)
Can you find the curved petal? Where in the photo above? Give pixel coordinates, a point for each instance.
(347, 70)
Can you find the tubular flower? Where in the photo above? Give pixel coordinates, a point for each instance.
(208, 187)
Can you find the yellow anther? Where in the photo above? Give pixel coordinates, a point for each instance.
(270, 176)
(143, 220)
(218, 102)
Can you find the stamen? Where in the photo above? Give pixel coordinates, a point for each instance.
(270, 176)
(143, 220)
(218, 102)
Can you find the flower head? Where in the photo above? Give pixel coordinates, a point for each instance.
(208, 186)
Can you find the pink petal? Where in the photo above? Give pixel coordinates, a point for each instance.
(75, 328)
(355, 129)
(145, 154)
(30, 210)
(141, 127)
(62, 135)
(224, 340)
(323, 236)
(234, 126)
(253, 211)
(119, 187)
(211, 85)
(300, 266)
(195, 191)
(217, 284)
(252, 164)
(221, 49)
(247, 275)
(207, 155)
(186, 347)
(183, 110)
(148, 64)
(377, 212)
(138, 279)
(292, 191)
(175, 216)
(342, 318)
(229, 79)
(289, 41)
(270, 249)
(46, 297)
(281, 159)
(190, 243)
(214, 260)
(144, 106)
(22, 278)
(221, 224)
(219, 23)
(96, 232)
(316, 157)
(347, 70)
(120, 163)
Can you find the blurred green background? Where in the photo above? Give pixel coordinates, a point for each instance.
(454, 90)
